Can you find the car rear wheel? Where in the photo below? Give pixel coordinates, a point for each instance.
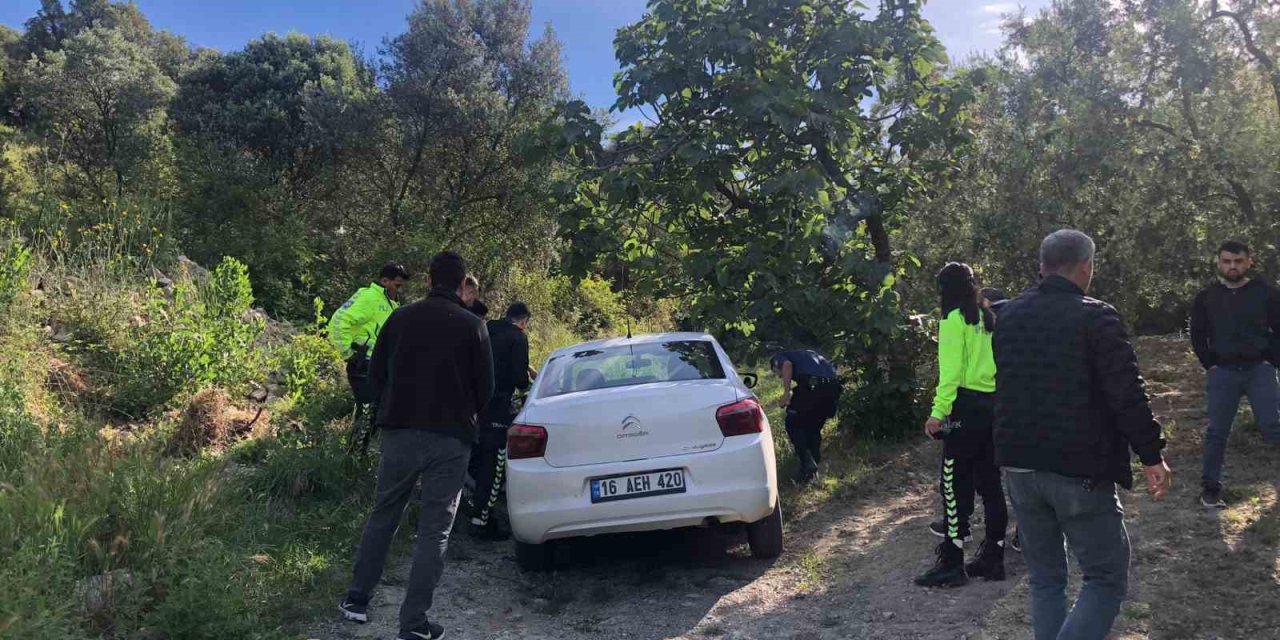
(765, 536)
(534, 557)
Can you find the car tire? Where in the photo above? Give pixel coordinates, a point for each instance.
(765, 536)
(534, 558)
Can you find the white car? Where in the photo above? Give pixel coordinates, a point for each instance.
(639, 434)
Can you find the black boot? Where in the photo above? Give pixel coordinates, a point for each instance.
(949, 569)
(989, 563)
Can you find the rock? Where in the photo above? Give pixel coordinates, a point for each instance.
(97, 593)
(162, 281)
(192, 270)
(277, 390)
(272, 398)
(255, 315)
(61, 336)
(275, 378)
(888, 615)
(258, 394)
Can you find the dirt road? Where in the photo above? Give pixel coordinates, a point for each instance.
(850, 560)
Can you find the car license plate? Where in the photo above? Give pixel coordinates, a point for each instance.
(637, 485)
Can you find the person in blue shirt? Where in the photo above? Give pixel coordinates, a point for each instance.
(809, 404)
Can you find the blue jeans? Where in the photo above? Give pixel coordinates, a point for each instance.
(1225, 386)
(1051, 507)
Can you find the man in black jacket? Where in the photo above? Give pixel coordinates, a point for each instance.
(1070, 404)
(1235, 331)
(433, 370)
(511, 373)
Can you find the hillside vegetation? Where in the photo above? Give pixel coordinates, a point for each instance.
(172, 463)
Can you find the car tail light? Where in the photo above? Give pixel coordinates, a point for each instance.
(525, 441)
(741, 418)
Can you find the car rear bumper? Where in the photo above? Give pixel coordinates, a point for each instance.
(735, 483)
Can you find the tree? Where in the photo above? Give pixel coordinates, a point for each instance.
(268, 136)
(788, 140)
(1148, 124)
(10, 41)
(464, 83)
(100, 104)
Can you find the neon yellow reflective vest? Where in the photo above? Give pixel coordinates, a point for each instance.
(965, 360)
(360, 318)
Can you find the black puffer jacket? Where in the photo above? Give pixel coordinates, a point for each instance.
(1069, 396)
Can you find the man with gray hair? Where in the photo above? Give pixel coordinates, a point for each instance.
(1070, 405)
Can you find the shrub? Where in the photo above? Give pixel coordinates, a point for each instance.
(307, 363)
(15, 267)
(19, 432)
(892, 402)
(151, 352)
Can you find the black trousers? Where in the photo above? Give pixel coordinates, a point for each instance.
(805, 433)
(969, 466)
(358, 378)
(491, 471)
(812, 403)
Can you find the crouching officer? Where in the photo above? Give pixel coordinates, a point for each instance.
(354, 327)
(809, 405)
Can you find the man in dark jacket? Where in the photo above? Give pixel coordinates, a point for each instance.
(1235, 331)
(511, 373)
(433, 370)
(1070, 404)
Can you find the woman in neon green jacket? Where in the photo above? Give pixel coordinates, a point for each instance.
(962, 416)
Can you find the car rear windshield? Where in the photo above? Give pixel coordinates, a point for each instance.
(608, 367)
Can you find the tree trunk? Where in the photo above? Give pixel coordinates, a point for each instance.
(880, 239)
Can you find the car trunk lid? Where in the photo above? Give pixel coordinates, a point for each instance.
(632, 423)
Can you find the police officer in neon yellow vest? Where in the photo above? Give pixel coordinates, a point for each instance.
(354, 327)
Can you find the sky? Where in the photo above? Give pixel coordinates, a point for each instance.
(585, 27)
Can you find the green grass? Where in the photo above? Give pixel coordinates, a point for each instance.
(209, 554)
(813, 571)
(1137, 611)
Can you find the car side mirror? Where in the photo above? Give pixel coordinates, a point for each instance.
(750, 380)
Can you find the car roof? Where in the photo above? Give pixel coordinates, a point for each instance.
(648, 338)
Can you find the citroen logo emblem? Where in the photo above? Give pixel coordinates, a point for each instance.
(630, 422)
